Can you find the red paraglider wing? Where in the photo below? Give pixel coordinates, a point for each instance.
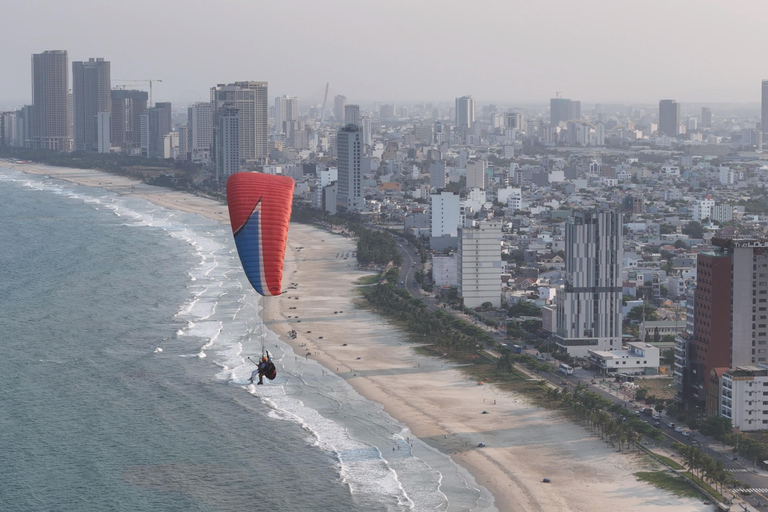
(260, 211)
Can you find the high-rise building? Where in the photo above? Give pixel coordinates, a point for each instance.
(349, 144)
(127, 108)
(91, 95)
(352, 115)
(706, 118)
(286, 111)
(339, 102)
(367, 135)
(251, 99)
(479, 264)
(49, 126)
(159, 125)
(228, 145)
(731, 312)
(669, 117)
(764, 107)
(387, 112)
(476, 176)
(103, 138)
(446, 214)
(560, 111)
(184, 153)
(589, 308)
(513, 121)
(575, 109)
(200, 131)
(437, 174)
(465, 112)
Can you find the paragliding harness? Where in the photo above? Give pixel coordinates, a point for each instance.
(268, 369)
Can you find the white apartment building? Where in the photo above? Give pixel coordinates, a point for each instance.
(324, 178)
(702, 209)
(743, 397)
(200, 131)
(722, 213)
(636, 359)
(476, 174)
(445, 270)
(446, 214)
(479, 264)
(250, 98)
(589, 307)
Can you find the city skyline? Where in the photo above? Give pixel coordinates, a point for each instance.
(526, 65)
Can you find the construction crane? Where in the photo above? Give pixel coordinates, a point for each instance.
(325, 99)
(147, 81)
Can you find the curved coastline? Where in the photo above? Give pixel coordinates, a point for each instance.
(439, 406)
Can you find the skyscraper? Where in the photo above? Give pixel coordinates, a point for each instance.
(465, 112)
(339, 102)
(127, 108)
(286, 111)
(352, 114)
(49, 119)
(764, 107)
(561, 110)
(589, 309)
(159, 125)
(200, 131)
(228, 145)
(479, 264)
(706, 117)
(669, 117)
(251, 99)
(91, 95)
(349, 143)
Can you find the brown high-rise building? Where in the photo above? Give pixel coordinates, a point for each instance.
(127, 108)
(731, 311)
(50, 80)
(711, 344)
(91, 94)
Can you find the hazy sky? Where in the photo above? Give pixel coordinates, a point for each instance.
(503, 51)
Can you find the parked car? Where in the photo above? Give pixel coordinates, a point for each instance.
(671, 425)
(656, 416)
(679, 429)
(687, 433)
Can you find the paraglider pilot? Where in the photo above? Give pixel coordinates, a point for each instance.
(265, 368)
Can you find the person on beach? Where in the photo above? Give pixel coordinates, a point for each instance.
(265, 367)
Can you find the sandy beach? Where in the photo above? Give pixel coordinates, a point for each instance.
(524, 443)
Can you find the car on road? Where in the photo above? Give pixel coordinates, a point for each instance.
(671, 425)
(687, 433)
(657, 424)
(679, 429)
(656, 416)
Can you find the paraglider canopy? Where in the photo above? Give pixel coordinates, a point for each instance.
(260, 211)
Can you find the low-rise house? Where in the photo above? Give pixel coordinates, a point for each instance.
(636, 358)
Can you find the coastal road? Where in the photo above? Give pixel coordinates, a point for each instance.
(411, 264)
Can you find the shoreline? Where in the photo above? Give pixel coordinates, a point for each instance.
(437, 403)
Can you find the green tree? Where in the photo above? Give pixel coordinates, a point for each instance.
(636, 314)
(694, 229)
(524, 308)
(666, 229)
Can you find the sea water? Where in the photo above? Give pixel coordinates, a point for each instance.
(124, 335)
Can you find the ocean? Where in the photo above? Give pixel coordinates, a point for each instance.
(124, 335)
